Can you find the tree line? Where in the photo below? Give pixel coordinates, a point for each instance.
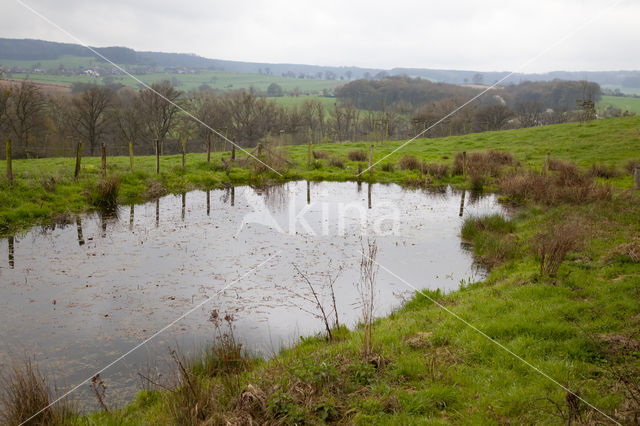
(50, 123)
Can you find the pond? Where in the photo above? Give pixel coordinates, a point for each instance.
(79, 296)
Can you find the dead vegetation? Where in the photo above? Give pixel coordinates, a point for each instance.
(357, 155)
(564, 183)
(25, 391)
(552, 246)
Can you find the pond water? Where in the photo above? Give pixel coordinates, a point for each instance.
(79, 296)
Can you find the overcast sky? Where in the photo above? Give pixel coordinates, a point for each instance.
(489, 35)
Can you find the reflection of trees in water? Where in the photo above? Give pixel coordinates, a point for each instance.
(275, 196)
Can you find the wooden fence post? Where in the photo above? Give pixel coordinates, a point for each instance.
(131, 155)
(183, 142)
(233, 150)
(371, 159)
(309, 153)
(157, 143)
(78, 159)
(208, 147)
(464, 165)
(636, 177)
(546, 162)
(103, 151)
(9, 165)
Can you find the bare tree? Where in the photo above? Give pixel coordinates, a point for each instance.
(89, 114)
(158, 106)
(366, 288)
(493, 117)
(4, 105)
(25, 112)
(127, 115)
(251, 117)
(312, 115)
(529, 113)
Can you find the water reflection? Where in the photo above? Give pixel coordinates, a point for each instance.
(79, 230)
(11, 258)
(462, 203)
(113, 292)
(184, 205)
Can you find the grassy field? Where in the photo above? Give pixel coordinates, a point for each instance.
(624, 103)
(625, 90)
(611, 142)
(562, 293)
(296, 101)
(219, 80)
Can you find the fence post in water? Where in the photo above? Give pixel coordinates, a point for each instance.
(183, 142)
(11, 252)
(9, 165)
(233, 150)
(309, 153)
(78, 159)
(636, 177)
(464, 165)
(546, 162)
(131, 155)
(157, 144)
(208, 147)
(371, 160)
(103, 151)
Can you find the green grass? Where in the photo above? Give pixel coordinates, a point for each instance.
(27, 202)
(434, 369)
(219, 80)
(624, 103)
(428, 367)
(291, 101)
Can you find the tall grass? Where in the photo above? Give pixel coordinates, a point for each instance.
(24, 391)
(357, 155)
(104, 194)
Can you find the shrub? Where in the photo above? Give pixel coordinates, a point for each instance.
(24, 391)
(553, 245)
(631, 165)
(105, 193)
(566, 184)
(603, 171)
(320, 155)
(438, 171)
(483, 164)
(387, 167)
(336, 162)
(409, 162)
(357, 155)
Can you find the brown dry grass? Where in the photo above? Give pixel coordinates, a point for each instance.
(566, 183)
(409, 162)
(357, 155)
(336, 162)
(553, 245)
(24, 391)
(320, 155)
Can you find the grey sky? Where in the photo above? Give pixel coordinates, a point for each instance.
(488, 35)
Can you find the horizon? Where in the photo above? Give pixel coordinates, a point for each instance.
(352, 36)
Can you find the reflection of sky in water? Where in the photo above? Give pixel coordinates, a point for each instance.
(116, 281)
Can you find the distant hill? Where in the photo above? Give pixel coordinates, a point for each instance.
(40, 50)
